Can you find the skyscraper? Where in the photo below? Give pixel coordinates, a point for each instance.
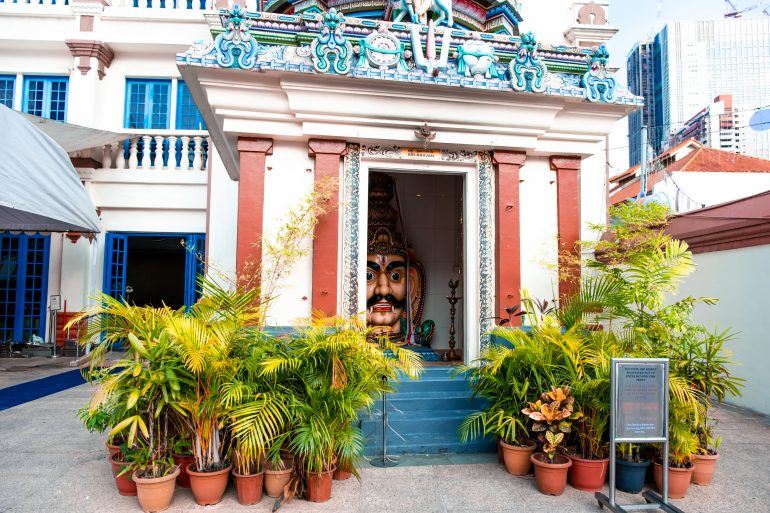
(639, 66)
(691, 63)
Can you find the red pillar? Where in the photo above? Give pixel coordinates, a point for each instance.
(568, 210)
(507, 232)
(327, 155)
(251, 198)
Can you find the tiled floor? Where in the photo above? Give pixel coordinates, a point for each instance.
(51, 464)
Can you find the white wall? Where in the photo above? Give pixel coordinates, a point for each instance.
(537, 192)
(288, 179)
(740, 280)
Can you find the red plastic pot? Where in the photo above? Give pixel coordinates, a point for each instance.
(551, 478)
(249, 487)
(341, 475)
(588, 475)
(155, 493)
(319, 486)
(183, 460)
(705, 465)
(125, 485)
(208, 487)
(678, 480)
(517, 458)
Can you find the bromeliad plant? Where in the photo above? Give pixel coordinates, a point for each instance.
(552, 417)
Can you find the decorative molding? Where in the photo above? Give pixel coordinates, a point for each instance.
(486, 247)
(315, 43)
(354, 155)
(598, 84)
(527, 69)
(351, 182)
(85, 49)
(382, 50)
(331, 51)
(236, 47)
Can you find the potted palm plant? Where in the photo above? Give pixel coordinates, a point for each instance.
(683, 443)
(141, 388)
(496, 377)
(630, 468)
(591, 388)
(552, 417)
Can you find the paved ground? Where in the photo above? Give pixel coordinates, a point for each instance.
(51, 464)
(19, 370)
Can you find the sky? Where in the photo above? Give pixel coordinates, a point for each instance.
(638, 19)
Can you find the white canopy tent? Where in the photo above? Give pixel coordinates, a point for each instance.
(40, 191)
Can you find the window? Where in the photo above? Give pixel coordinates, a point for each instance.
(7, 84)
(23, 285)
(46, 97)
(147, 104)
(187, 115)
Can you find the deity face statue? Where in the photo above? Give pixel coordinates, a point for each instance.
(385, 292)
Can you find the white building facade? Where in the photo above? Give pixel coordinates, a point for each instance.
(521, 169)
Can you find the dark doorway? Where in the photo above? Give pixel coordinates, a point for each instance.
(155, 271)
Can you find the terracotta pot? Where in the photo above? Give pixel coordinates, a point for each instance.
(588, 475)
(551, 478)
(183, 460)
(276, 480)
(705, 465)
(516, 458)
(249, 487)
(208, 487)
(155, 493)
(319, 486)
(341, 475)
(126, 487)
(678, 480)
(112, 449)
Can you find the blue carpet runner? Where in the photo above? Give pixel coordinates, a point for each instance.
(35, 389)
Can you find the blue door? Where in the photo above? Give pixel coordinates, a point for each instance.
(115, 261)
(195, 243)
(23, 285)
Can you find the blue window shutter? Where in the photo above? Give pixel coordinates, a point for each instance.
(147, 104)
(187, 115)
(46, 97)
(7, 84)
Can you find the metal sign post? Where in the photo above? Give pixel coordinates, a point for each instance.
(384, 460)
(639, 414)
(53, 309)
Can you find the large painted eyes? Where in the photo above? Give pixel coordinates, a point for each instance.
(395, 276)
(369, 275)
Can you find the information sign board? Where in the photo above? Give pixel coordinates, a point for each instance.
(55, 303)
(640, 389)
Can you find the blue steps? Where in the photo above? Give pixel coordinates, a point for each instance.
(424, 415)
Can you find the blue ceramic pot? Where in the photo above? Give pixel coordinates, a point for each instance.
(629, 475)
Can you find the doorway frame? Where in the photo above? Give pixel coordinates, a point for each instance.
(477, 173)
(190, 285)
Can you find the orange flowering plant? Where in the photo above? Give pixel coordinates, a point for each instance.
(552, 417)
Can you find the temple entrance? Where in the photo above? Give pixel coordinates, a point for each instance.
(414, 249)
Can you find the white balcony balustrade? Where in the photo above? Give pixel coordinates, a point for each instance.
(181, 152)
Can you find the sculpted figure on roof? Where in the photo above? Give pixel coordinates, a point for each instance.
(418, 11)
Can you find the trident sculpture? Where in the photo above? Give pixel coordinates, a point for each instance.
(428, 61)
